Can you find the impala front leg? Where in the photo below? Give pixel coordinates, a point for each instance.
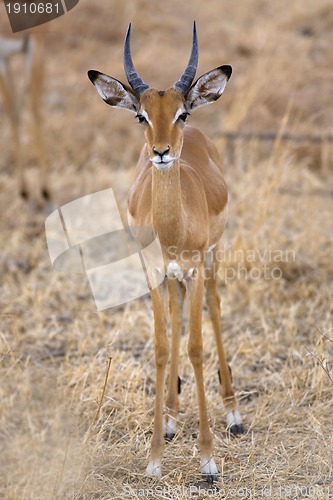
(161, 359)
(176, 300)
(195, 351)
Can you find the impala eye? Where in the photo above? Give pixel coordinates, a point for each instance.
(183, 117)
(141, 118)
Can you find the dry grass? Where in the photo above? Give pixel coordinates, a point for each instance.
(55, 347)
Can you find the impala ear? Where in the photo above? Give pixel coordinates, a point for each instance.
(114, 92)
(209, 87)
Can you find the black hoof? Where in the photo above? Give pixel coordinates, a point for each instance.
(45, 194)
(235, 429)
(169, 436)
(210, 479)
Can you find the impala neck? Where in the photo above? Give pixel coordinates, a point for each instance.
(167, 207)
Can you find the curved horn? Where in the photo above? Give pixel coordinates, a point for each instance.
(137, 84)
(187, 77)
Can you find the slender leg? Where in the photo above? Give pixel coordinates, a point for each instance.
(36, 91)
(234, 420)
(11, 107)
(195, 350)
(176, 301)
(161, 359)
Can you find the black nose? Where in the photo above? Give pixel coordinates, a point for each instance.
(161, 153)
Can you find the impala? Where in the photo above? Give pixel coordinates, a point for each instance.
(181, 193)
(30, 47)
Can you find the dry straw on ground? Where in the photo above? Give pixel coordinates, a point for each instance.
(58, 438)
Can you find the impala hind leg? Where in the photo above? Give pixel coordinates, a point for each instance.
(195, 351)
(176, 302)
(234, 420)
(161, 359)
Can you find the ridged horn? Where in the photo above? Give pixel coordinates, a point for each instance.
(137, 84)
(185, 81)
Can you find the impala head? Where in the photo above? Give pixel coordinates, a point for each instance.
(162, 113)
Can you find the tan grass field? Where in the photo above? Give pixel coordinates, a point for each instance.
(59, 438)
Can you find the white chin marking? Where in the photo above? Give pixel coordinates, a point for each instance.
(170, 427)
(208, 466)
(154, 469)
(163, 166)
(234, 418)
